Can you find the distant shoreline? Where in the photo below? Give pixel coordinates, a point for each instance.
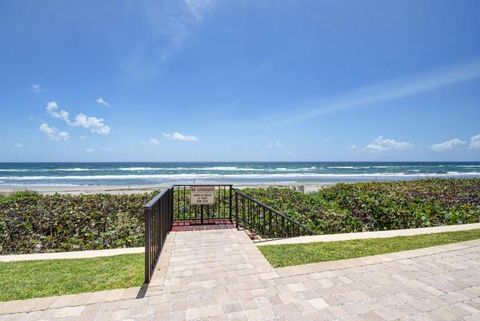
(115, 189)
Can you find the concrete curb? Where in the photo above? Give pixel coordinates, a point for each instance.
(70, 255)
(370, 235)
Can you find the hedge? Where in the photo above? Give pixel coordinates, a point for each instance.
(31, 222)
(379, 205)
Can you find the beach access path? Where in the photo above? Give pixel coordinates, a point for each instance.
(221, 275)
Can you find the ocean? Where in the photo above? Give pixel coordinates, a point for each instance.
(241, 173)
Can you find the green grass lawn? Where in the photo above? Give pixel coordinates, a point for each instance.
(32, 279)
(295, 254)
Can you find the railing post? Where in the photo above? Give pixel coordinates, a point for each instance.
(147, 245)
(236, 210)
(171, 209)
(230, 204)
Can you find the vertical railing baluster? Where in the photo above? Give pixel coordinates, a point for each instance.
(184, 201)
(236, 210)
(147, 244)
(230, 204)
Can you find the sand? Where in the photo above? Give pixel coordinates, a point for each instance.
(117, 189)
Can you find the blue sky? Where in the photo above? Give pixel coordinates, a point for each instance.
(239, 80)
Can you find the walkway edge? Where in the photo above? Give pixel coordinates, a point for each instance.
(70, 255)
(402, 257)
(371, 235)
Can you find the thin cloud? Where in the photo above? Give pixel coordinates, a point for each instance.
(95, 125)
(19, 145)
(89, 150)
(172, 24)
(154, 141)
(383, 92)
(52, 110)
(53, 133)
(102, 102)
(36, 88)
(475, 143)
(276, 144)
(452, 144)
(180, 137)
(381, 144)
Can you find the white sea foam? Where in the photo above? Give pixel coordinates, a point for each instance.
(239, 176)
(213, 168)
(139, 169)
(77, 169)
(343, 167)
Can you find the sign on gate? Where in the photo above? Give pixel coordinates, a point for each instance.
(202, 195)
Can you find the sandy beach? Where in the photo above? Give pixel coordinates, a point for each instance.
(135, 189)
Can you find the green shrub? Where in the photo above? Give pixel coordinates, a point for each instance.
(379, 205)
(31, 222)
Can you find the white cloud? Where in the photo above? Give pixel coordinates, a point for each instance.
(53, 133)
(95, 125)
(180, 137)
(52, 110)
(102, 102)
(172, 23)
(198, 7)
(276, 144)
(154, 141)
(383, 92)
(89, 150)
(110, 149)
(36, 88)
(475, 143)
(381, 144)
(452, 144)
(19, 145)
(82, 137)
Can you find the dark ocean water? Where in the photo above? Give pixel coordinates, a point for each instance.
(76, 174)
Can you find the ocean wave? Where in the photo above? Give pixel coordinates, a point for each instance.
(212, 168)
(240, 176)
(42, 184)
(344, 167)
(139, 169)
(76, 169)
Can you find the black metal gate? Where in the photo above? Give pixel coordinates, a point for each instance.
(173, 206)
(185, 212)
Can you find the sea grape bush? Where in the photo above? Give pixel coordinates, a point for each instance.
(31, 222)
(379, 205)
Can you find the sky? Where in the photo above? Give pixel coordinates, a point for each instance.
(239, 80)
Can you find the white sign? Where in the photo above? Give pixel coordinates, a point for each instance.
(202, 195)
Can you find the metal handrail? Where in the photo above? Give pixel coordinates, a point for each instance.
(158, 196)
(165, 208)
(158, 222)
(273, 210)
(270, 209)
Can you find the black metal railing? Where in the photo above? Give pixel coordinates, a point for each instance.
(230, 204)
(158, 222)
(264, 220)
(184, 211)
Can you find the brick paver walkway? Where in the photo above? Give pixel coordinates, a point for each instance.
(221, 275)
